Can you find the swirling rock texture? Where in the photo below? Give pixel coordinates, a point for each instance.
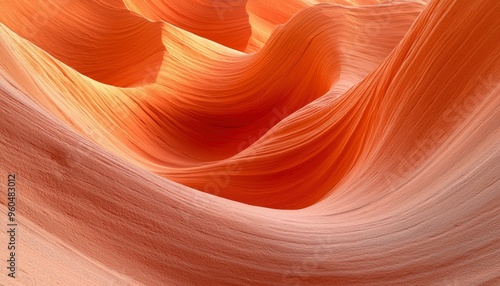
(228, 142)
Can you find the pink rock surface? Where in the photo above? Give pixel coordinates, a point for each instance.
(251, 142)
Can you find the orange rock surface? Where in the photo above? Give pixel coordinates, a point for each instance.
(233, 142)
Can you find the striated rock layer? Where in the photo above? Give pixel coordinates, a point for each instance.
(253, 142)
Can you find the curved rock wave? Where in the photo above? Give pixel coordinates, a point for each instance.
(301, 143)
